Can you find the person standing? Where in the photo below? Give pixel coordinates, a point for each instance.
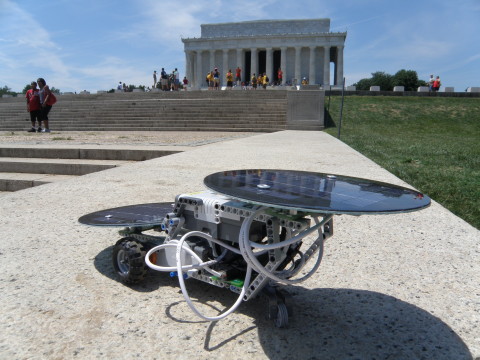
(430, 83)
(185, 83)
(176, 79)
(238, 75)
(210, 80)
(254, 82)
(154, 79)
(436, 84)
(164, 79)
(229, 78)
(280, 76)
(33, 106)
(216, 79)
(47, 99)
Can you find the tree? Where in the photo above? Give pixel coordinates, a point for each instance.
(382, 79)
(26, 88)
(363, 84)
(408, 79)
(7, 91)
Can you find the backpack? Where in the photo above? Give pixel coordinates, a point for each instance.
(52, 100)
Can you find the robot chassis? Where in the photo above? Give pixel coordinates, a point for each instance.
(246, 248)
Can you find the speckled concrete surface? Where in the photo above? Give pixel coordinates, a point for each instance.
(389, 287)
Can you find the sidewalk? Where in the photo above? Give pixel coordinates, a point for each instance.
(393, 286)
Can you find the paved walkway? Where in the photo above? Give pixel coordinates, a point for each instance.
(397, 286)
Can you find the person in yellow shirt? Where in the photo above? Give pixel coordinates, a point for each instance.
(229, 77)
(210, 80)
(254, 82)
(264, 81)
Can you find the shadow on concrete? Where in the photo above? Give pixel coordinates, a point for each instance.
(348, 324)
(326, 324)
(153, 281)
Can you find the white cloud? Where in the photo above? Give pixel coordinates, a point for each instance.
(26, 48)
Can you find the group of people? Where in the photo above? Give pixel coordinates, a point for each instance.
(121, 86)
(434, 83)
(213, 79)
(169, 82)
(39, 103)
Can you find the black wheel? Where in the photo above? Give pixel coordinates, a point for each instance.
(129, 260)
(282, 316)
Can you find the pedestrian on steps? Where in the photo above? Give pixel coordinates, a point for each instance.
(33, 106)
(47, 99)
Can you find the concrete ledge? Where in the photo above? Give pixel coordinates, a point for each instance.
(56, 166)
(404, 284)
(91, 153)
(17, 182)
(473, 90)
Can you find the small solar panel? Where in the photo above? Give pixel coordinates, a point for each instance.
(132, 215)
(315, 192)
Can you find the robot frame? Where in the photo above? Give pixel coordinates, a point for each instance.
(247, 233)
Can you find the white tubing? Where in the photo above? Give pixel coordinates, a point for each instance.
(202, 265)
(249, 256)
(184, 289)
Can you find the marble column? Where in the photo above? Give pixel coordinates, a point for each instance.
(311, 72)
(283, 63)
(298, 69)
(326, 65)
(225, 68)
(269, 65)
(199, 76)
(188, 64)
(212, 60)
(253, 62)
(339, 74)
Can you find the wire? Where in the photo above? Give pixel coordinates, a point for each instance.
(246, 248)
(184, 289)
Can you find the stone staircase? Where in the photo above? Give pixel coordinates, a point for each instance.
(236, 110)
(25, 167)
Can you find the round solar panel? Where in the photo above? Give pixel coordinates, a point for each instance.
(315, 192)
(131, 215)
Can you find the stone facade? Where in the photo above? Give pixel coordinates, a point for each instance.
(301, 48)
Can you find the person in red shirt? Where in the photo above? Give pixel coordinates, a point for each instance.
(280, 76)
(33, 106)
(238, 75)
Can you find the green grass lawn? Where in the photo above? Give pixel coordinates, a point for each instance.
(433, 143)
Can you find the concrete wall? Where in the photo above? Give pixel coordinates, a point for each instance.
(305, 110)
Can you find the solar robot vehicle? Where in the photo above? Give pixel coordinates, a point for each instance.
(251, 231)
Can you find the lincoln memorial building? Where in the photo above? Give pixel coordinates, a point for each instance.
(301, 48)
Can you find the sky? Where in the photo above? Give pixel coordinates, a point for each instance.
(91, 45)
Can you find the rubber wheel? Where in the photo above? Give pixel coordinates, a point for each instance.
(128, 258)
(282, 316)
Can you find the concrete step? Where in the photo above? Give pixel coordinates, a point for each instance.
(83, 153)
(195, 111)
(56, 166)
(15, 181)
